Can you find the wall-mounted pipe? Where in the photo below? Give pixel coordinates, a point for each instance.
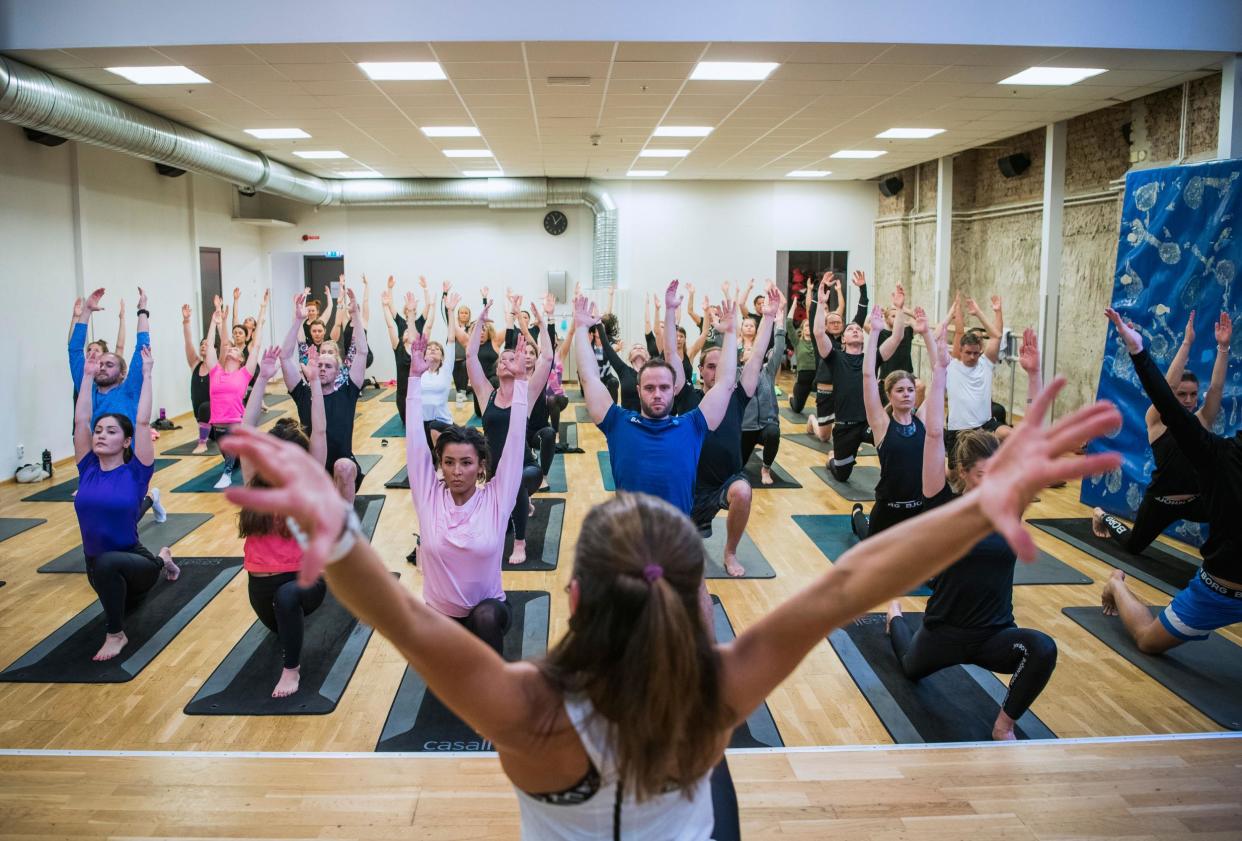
(39, 100)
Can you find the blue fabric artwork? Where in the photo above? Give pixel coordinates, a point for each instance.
(1176, 252)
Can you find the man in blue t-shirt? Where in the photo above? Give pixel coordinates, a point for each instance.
(651, 450)
(114, 388)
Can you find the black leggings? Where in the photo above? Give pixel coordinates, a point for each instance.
(121, 579)
(1028, 655)
(803, 386)
(218, 434)
(556, 405)
(543, 441)
(281, 605)
(724, 804)
(1152, 518)
(883, 516)
(769, 436)
(532, 480)
(489, 620)
(460, 380)
(403, 386)
(203, 413)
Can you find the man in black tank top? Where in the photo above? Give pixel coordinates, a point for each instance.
(1213, 598)
(1173, 493)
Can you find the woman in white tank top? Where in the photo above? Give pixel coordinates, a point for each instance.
(614, 733)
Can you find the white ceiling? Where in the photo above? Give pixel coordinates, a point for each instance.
(822, 98)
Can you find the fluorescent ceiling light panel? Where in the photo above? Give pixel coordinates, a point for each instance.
(277, 133)
(173, 74)
(483, 173)
(909, 133)
(360, 173)
(663, 153)
(468, 153)
(322, 155)
(857, 153)
(808, 173)
(1051, 76)
(682, 131)
(733, 71)
(403, 71)
(450, 131)
(647, 173)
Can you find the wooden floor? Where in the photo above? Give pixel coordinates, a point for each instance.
(1146, 791)
(1093, 692)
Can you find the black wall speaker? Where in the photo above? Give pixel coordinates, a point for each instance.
(1011, 166)
(169, 171)
(43, 138)
(890, 186)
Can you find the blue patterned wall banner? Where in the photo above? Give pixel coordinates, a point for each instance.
(1176, 253)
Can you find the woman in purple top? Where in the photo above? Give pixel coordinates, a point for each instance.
(112, 482)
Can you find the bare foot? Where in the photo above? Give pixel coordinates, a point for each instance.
(765, 475)
(532, 508)
(732, 566)
(171, 571)
(811, 426)
(113, 643)
(518, 555)
(1108, 599)
(1002, 730)
(894, 610)
(1097, 524)
(288, 683)
(199, 448)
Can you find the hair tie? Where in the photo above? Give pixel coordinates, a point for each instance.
(653, 571)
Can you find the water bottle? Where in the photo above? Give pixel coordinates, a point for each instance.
(47, 462)
(163, 417)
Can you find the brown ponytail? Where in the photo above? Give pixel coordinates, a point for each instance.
(250, 522)
(638, 646)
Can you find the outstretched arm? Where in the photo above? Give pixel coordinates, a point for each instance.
(358, 369)
(82, 412)
(823, 344)
(479, 383)
(716, 402)
(288, 350)
(876, 416)
(1216, 388)
(394, 334)
(890, 345)
(598, 400)
(212, 359)
(543, 364)
(1028, 358)
(860, 314)
(119, 347)
(995, 330)
(755, 364)
(236, 306)
(933, 417)
(672, 302)
(191, 352)
(144, 447)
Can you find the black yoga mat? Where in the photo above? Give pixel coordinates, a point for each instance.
(567, 440)
(155, 536)
(781, 478)
(759, 730)
(957, 704)
(1205, 674)
(400, 480)
(204, 483)
(543, 538)
(832, 534)
(748, 554)
(332, 645)
(65, 656)
(1163, 567)
(419, 722)
(64, 491)
(859, 488)
(824, 447)
(13, 526)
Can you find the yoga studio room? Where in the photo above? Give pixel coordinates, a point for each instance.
(690, 421)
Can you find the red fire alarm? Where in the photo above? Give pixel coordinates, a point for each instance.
(309, 237)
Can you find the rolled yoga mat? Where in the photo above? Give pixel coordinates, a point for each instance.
(859, 488)
(13, 526)
(1163, 567)
(748, 554)
(832, 535)
(543, 538)
(204, 483)
(957, 704)
(65, 656)
(783, 480)
(419, 722)
(759, 729)
(1206, 674)
(155, 536)
(64, 491)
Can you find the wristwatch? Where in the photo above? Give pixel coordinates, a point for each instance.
(351, 531)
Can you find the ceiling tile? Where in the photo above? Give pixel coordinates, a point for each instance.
(299, 53)
(568, 50)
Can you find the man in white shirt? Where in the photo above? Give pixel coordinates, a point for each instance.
(970, 377)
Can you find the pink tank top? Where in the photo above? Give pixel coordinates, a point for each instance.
(271, 553)
(228, 392)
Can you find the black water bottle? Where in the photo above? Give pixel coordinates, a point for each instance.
(47, 462)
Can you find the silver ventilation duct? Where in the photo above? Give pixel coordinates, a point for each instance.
(38, 100)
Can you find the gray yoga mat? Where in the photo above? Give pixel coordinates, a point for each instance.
(582, 415)
(64, 491)
(957, 704)
(205, 482)
(832, 535)
(543, 538)
(153, 535)
(795, 417)
(1163, 567)
(556, 482)
(825, 447)
(65, 655)
(13, 526)
(271, 400)
(759, 730)
(748, 554)
(1205, 674)
(859, 488)
(419, 722)
(605, 470)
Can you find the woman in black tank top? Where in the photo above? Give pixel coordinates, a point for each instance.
(200, 388)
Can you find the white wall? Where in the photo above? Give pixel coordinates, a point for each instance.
(136, 229)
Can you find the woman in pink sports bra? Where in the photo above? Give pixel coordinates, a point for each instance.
(271, 556)
(228, 376)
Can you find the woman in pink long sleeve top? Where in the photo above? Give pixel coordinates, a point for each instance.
(462, 522)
